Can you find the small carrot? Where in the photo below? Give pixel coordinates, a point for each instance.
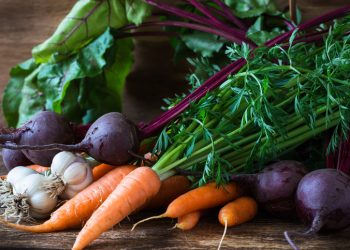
(101, 170)
(188, 221)
(201, 198)
(38, 168)
(170, 189)
(77, 210)
(237, 212)
(133, 192)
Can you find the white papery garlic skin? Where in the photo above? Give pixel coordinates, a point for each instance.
(76, 177)
(32, 188)
(73, 171)
(18, 173)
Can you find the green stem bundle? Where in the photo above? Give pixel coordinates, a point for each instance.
(268, 108)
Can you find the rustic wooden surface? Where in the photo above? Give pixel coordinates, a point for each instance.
(262, 233)
(24, 24)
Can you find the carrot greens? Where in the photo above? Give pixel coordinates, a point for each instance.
(284, 95)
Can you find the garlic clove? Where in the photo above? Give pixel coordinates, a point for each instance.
(29, 184)
(18, 173)
(71, 190)
(41, 204)
(61, 162)
(76, 173)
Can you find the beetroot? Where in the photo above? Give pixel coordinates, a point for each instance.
(111, 139)
(323, 202)
(274, 188)
(14, 158)
(45, 127)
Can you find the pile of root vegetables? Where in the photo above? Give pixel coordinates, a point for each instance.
(266, 94)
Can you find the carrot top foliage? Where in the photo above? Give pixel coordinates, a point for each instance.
(283, 96)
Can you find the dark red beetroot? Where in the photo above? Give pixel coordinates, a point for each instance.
(45, 127)
(323, 202)
(111, 139)
(274, 188)
(14, 158)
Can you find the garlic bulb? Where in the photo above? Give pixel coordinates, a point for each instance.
(30, 198)
(70, 174)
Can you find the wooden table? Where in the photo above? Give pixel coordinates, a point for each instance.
(262, 233)
(26, 23)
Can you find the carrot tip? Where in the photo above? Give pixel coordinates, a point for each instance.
(223, 235)
(147, 219)
(172, 228)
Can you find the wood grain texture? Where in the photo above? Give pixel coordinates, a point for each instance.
(262, 233)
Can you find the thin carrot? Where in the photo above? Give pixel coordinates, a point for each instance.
(201, 198)
(170, 189)
(77, 210)
(237, 212)
(188, 221)
(38, 168)
(101, 170)
(133, 192)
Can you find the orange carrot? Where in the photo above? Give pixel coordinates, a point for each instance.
(133, 192)
(188, 221)
(237, 212)
(170, 189)
(101, 170)
(201, 198)
(77, 210)
(38, 168)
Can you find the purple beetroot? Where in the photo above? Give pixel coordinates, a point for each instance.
(14, 158)
(274, 188)
(111, 139)
(46, 127)
(323, 202)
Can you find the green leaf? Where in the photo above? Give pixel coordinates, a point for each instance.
(258, 34)
(252, 8)
(203, 43)
(13, 92)
(136, 11)
(33, 99)
(55, 78)
(87, 20)
(98, 99)
(82, 87)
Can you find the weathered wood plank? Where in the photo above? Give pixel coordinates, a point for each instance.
(262, 233)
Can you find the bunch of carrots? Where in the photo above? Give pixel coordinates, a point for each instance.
(113, 196)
